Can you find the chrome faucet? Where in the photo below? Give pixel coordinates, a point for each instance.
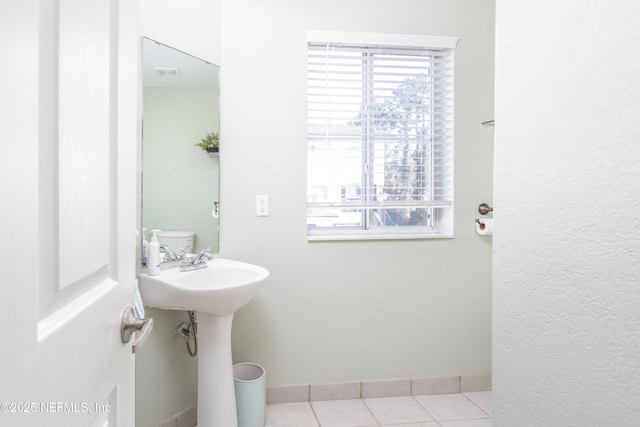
(167, 255)
(196, 261)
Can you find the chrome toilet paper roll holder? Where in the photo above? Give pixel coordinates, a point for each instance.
(483, 209)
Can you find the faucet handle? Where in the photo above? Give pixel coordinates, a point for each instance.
(201, 256)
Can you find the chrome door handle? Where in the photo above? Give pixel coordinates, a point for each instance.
(130, 324)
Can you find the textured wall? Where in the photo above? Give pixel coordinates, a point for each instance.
(338, 311)
(567, 209)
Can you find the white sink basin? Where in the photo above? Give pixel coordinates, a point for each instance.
(219, 289)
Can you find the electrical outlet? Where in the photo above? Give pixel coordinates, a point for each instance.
(262, 205)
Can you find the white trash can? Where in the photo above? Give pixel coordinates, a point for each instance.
(251, 394)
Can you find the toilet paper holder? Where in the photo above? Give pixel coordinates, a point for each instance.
(483, 209)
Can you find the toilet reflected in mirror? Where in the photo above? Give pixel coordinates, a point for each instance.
(175, 244)
(180, 181)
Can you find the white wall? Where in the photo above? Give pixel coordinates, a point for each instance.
(419, 307)
(350, 310)
(190, 26)
(166, 376)
(567, 208)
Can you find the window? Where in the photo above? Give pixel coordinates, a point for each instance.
(380, 136)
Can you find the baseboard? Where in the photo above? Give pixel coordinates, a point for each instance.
(378, 388)
(186, 418)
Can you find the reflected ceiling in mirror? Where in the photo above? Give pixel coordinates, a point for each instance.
(164, 66)
(180, 182)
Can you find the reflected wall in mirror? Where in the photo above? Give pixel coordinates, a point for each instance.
(180, 181)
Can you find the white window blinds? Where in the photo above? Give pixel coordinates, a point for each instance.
(380, 140)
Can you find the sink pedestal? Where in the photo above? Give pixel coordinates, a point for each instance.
(215, 293)
(216, 391)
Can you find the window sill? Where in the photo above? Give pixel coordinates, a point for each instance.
(324, 236)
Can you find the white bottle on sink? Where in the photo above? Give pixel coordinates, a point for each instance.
(154, 255)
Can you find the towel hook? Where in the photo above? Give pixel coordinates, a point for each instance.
(484, 209)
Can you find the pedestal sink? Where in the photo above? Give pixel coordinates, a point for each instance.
(215, 293)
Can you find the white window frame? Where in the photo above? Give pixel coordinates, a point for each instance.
(441, 224)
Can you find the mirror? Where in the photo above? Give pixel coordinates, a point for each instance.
(180, 181)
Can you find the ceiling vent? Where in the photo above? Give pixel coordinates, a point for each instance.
(167, 72)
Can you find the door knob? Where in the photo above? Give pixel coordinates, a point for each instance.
(130, 324)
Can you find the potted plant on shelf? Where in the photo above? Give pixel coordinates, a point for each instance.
(210, 142)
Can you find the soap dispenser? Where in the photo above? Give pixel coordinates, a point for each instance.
(154, 255)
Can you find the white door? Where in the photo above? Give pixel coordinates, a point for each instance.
(68, 130)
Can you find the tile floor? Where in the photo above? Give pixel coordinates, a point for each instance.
(470, 409)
